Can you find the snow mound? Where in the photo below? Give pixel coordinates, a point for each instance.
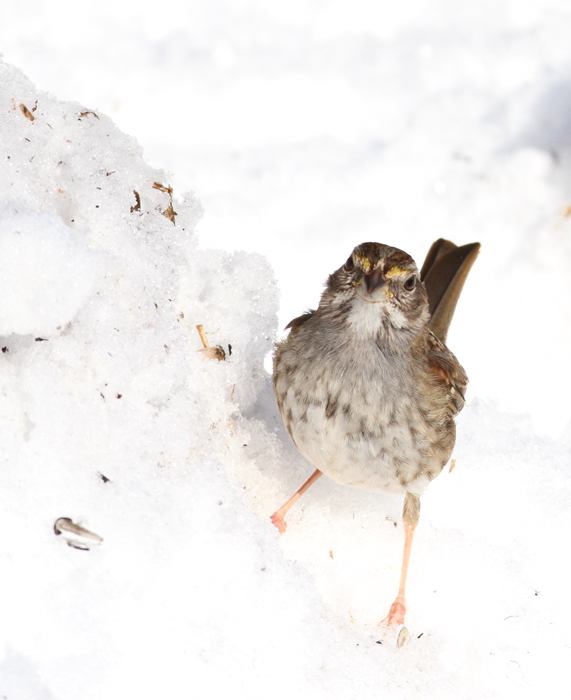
(46, 272)
(111, 417)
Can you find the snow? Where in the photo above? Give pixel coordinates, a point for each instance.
(288, 133)
(47, 274)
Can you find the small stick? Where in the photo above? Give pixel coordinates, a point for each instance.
(202, 334)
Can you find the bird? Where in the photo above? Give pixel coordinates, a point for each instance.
(367, 388)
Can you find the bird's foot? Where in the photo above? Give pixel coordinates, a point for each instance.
(279, 522)
(393, 624)
(396, 614)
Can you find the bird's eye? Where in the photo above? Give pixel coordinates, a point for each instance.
(349, 265)
(410, 283)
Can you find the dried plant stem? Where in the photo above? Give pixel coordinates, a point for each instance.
(202, 334)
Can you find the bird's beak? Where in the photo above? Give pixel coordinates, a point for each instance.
(373, 287)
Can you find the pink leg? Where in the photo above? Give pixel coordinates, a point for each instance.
(398, 608)
(278, 516)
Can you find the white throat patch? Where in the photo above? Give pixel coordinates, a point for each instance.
(366, 317)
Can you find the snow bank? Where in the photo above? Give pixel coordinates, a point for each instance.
(110, 416)
(47, 273)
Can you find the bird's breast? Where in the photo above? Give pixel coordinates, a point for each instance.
(356, 416)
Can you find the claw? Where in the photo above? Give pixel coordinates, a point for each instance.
(278, 517)
(396, 614)
(393, 623)
(279, 522)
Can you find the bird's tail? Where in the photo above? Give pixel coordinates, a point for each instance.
(444, 273)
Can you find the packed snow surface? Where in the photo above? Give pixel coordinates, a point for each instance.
(285, 135)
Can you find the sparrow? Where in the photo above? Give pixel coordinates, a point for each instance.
(365, 385)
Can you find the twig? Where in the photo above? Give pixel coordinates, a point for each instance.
(202, 334)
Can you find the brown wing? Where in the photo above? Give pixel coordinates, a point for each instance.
(297, 322)
(448, 372)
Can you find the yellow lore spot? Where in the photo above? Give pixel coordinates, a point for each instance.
(364, 262)
(396, 272)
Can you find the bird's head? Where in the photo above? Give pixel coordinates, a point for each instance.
(379, 281)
